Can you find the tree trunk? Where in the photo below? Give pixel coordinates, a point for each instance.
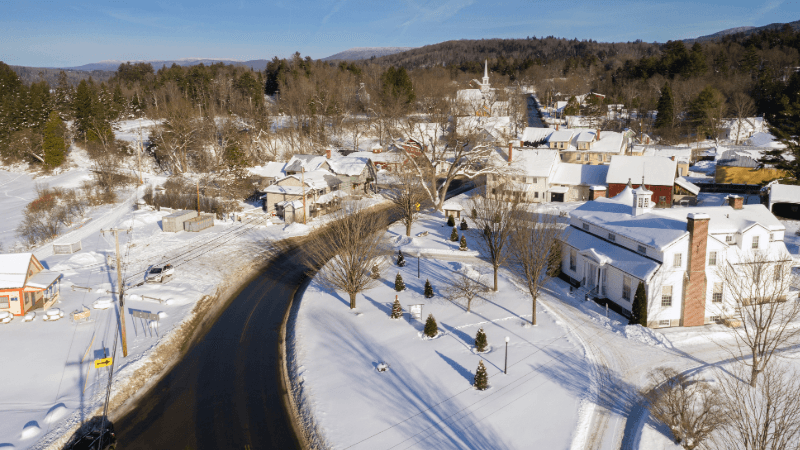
(495, 278)
(408, 229)
(353, 300)
(533, 317)
(754, 373)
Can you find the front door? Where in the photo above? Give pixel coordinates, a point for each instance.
(591, 275)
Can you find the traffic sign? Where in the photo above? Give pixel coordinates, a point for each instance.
(105, 362)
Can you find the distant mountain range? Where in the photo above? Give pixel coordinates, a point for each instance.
(357, 53)
(255, 64)
(745, 30)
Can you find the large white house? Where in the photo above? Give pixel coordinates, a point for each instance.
(613, 244)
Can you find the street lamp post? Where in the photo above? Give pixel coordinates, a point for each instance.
(505, 369)
(418, 255)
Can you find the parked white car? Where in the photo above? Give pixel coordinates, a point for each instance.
(160, 273)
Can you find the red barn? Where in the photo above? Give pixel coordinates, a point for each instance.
(658, 172)
(25, 284)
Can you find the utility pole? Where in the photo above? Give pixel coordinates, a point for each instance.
(139, 153)
(303, 183)
(198, 198)
(120, 290)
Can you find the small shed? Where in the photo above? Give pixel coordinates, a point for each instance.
(452, 209)
(199, 223)
(174, 222)
(64, 248)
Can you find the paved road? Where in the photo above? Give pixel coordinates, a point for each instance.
(225, 392)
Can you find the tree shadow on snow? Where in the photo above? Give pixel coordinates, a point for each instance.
(386, 308)
(463, 371)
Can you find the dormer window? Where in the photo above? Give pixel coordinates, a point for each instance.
(729, 239)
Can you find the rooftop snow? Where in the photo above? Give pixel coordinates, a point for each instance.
(681, 154)
(561, 136)
(13, 269)
(534, 163)
(621, 258)
(350, 165)
(532, 134)
(656, 170)
(782, 193)
(307, 162)
(686, 184)
(586, 136)
(577, 174)
(271, 170)
(43, 279)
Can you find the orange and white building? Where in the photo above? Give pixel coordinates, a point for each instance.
(25, 284)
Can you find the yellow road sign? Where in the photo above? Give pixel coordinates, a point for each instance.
(105, 362)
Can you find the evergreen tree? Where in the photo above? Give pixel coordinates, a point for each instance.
(451, 221)
(399, 285)
(53, 145)
(704, 111)
(666, 108)
(397, 310)
(454, 235)
(431, 328)
(401, 261)
(82, 107)
(428, 289)
(464, 225)
(785, 126)
(480, 341)
(397, 85)
(639, 307)
(750, 61)
(573, 107)
(463, 244)
(481, 379)
(697, 60)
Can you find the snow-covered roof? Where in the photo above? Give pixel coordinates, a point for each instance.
(533, 134)
(307, 162)
(349, 165)
(296, 204)
(656, 170)
(469, 95)
(427, 132)
(14, 269)
(561, 136)
(739, 156)
(452, 206)
(784, 193)
(534, 162)
(626, 260)
(681, 154)
(382, 157)
(586, 136)
(330, 196)
(271, 170)
(286, 190)
(610, 141)
(763, 139)
(43, 279)
(725, 219)
(579, 174)
(470, 124)
(686, 184)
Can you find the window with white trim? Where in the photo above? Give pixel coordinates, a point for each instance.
(664, 323)
(729, 239)
(677, 260)
(626, 288)
(755, 242)
(573, 256)
(715, 319)
(666, 296)
(716, 296)
(778, 272)
(712, 258)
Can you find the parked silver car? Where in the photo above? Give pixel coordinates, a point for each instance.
(160, 273)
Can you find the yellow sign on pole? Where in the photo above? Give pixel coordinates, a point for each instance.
(417, 205)
(105, 362)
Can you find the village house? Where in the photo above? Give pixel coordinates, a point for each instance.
(527, 178)
(284, 198)
(739, 130)
(613, 244)
(268, 174)
(659, 175)
(25, 284)
(299, 163)
(739, 165)
(588, 146)
(356, 174)
(574, 182)
(382, 160)
(684, 156)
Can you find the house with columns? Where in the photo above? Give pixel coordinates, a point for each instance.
(613, 244)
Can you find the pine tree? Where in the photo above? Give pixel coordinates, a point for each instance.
(464, 225)
(480, 341)
(451, 221)
(639, 307)
(785, 126)
(431, 328)
(463, 244)
(481, 379)
(454, 235)
(53, 145)
(428, 289)
(401, 261)
(666, 108)
(398, 283)
(82, 107)
(397, 310)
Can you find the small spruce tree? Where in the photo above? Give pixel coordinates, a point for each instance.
(397, 310)
(639, 307)
(428, 289)
(454, 235)
(481, 379)
(53, 146)
(480, 341)
(464, 225)
(463, 244)
(401, 260)
(451, 221)
(431, 328)
(398, 283)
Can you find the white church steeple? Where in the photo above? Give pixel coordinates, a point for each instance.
(485, 84)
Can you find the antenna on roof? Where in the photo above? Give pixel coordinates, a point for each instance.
(643, 182)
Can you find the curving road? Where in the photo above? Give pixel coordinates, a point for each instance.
(225, 392)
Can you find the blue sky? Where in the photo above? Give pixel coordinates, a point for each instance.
(69, 33)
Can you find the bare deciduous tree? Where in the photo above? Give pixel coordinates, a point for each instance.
(534, 247)
(495, 222)
(742, 107)
(766, 417)
(466, 290)
(407, 195)
(692, 409)
(756, 288)
(345, 253)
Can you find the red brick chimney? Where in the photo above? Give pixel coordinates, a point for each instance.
(596, 192)
(521, 143)
(597, 134)
(735, 201)
(556, 127)
(328, 153)
(672, 157)
(510, 151)
(694, 296)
